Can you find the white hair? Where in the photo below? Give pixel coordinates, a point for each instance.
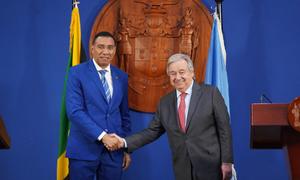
(178, 57)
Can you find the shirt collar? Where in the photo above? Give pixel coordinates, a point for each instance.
(98, 68)
(188, 91)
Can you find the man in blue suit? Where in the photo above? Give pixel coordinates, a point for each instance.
(97, 106)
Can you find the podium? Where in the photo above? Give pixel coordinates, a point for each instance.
(270, 129)
(4, 138)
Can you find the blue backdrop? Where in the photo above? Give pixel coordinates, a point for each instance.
(261, 38)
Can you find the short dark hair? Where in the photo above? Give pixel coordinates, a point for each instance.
(103, 34)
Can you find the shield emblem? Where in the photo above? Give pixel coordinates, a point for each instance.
(148, 32)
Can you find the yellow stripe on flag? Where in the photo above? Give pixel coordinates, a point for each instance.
(75, 36)
(62, 167)
(74, 59)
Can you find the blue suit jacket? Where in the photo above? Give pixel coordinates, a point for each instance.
(89, 112)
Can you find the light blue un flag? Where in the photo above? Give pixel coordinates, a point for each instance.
(216, 73)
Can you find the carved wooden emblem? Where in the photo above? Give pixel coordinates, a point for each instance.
(294, 114)
(148, 32)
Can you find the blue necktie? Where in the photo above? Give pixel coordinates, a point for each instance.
(105, 85)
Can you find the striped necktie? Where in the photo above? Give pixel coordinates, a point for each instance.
(105, 85)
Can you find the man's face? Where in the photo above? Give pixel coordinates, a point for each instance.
(180, 76)
(103, 51)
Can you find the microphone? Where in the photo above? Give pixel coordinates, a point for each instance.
(264, 98)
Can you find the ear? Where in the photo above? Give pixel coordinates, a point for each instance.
(115, 50)
(92, 51)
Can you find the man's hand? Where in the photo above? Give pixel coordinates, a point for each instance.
(126, 161)
(120, 141)
(112, 142)
(226, 171)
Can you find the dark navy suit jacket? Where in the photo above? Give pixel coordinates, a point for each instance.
(90, 114)
(198, 153)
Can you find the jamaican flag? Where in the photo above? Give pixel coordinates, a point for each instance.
(76, 54)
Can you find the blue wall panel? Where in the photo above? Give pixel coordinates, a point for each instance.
(261, 38)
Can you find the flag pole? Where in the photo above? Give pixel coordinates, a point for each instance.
(220, 13)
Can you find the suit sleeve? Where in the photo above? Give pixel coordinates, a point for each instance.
(148, 135)
(76, 110)
(223, 127)
(126, 123)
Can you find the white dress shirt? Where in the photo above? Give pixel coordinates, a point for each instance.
(110, 86)
(107, 76)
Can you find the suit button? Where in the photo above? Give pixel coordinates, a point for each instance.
(106, 130)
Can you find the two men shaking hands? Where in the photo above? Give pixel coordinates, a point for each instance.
(194, 117)
(113, 142)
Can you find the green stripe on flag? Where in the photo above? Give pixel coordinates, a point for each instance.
(75, 57)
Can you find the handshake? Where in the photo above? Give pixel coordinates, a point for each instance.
(113, 142)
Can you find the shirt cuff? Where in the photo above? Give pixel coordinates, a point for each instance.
(101, 135)
(125, 143)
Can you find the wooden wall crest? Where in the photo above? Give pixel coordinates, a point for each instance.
(294, 114)
(148, 32)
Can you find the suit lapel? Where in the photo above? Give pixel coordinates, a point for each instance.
(116, 85)
(174, 111)
(196, 94)
(95, 78)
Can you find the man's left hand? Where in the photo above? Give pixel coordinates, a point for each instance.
(126, 161)
(226, 171)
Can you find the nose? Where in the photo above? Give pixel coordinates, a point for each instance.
(178, 76)
(105, 51)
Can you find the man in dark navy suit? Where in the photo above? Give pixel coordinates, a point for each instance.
(196, 121)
